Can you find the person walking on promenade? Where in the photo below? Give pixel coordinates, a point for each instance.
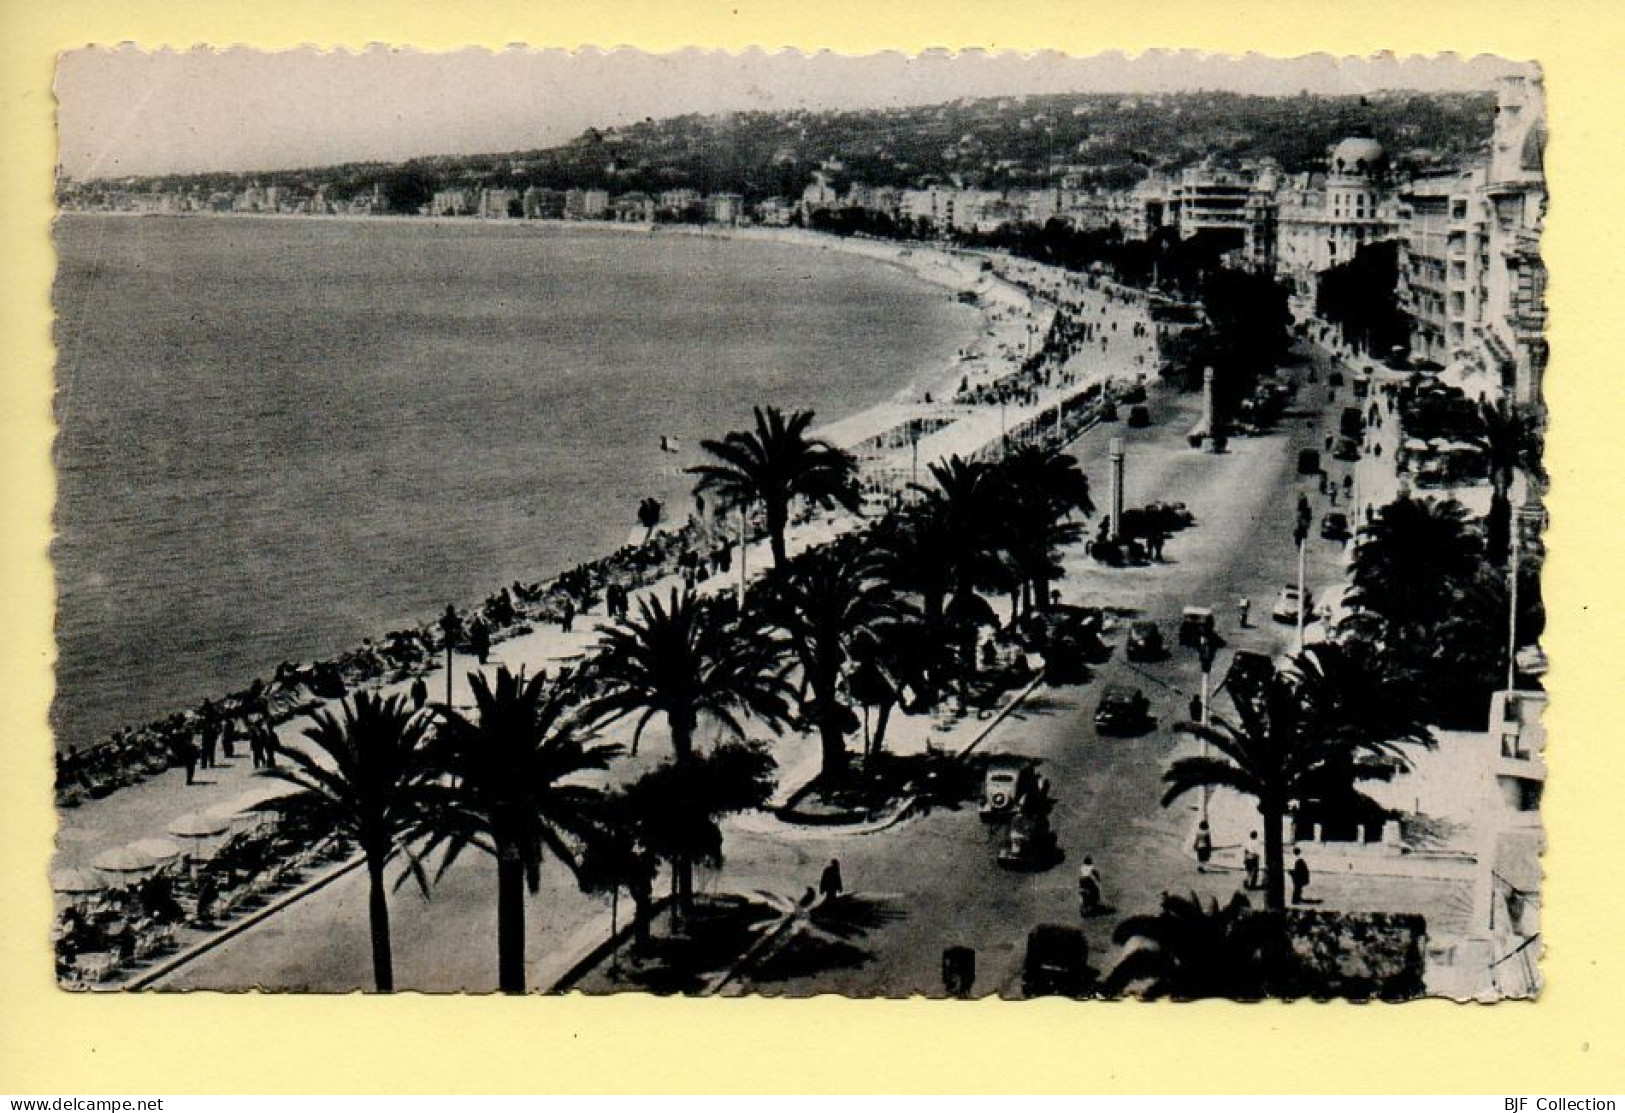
(268, 743)
(1195, 708)
(211, 739)
(1203, 846)
(420, 694)
(1300, 876)
(829, 883)
(186, 754)
(569, 617)
(479, 640)
(1244, 607)
(1251, 857)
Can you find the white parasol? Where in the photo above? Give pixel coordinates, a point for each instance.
(161, 851)
(199, 825)
(77, 881)
(124, 863)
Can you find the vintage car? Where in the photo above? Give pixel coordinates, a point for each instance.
(1056, 962)
(1030, 844)
(1308, 462)
(1335, 526)
(1122, 710)
(1285, 608)
(1139, 417)
(1006, 781)
(1346, 449)
(1144, 642)
(1193, 623)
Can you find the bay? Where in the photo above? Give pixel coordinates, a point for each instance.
(277, 437)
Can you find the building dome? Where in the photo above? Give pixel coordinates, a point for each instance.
(1360, 155)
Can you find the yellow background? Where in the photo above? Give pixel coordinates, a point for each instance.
(1568, 1042)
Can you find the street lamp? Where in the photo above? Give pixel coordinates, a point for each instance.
(1207, 645)
(451, 627)
(1300, 534)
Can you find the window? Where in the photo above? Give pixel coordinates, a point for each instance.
(1458, 210)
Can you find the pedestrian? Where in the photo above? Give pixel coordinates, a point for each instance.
(479, 640)
(211, 739)
(256, 747)
(1088, 888)
(1203, 846)
(186, 752)
(1329, 439)
(1348, 483)
(1300, 876)
(829, 883)
(1244, 607)
(1250, 859)
(569, 617)
(420, 694)
(1195, 708)
(268, 744)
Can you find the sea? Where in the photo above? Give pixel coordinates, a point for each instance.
(278, 437)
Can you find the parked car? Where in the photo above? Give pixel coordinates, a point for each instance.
(1193, 623)
(1030, 844)
(1132, 394)
(1056, 962)
(1248, 673)
(1286, 604)
(1351, 423)
(1347, 449)
(1122, 710)
(1108, 411)
(1170, 516)
(1335, 526)
(1308, 462)
(1139, 417)
(1144, 642)
(1007, 780)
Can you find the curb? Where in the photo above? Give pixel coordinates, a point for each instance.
(146, 979)
(595, 955)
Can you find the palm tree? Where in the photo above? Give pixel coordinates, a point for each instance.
(773, 466)
(1300, 736)
(509, 790)
(1414, 560)
(1187, 951)
(363, 780)
(1042, 489)
(1512, 443)
(680, 660)
(828, 603)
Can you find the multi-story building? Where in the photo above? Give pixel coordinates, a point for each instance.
(725, 208)
(1441, 264)
(451, 202)
(498, 204)
(633, 208)
(1233, 205)
(1324, 221)
(1515, 276)
(586, 204)
(539, 203)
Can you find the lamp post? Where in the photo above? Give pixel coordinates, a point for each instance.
(1300, 534)
(451, 627)
(1206, 647)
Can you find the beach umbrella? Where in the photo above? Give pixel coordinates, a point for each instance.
(199, 825)
(124, 863)
(161, 851)
(77, 881)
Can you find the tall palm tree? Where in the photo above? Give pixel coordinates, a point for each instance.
(1188, 951)
(1414, 560)
(827, 604)
(509, 790)
(680, 660)
(774, 465)
(1042, 490)
(363, 779)
(1512, 443)
(1285, 744)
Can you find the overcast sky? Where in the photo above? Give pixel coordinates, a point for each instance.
(130, 112)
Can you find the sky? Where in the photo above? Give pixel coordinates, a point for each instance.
(130, 112)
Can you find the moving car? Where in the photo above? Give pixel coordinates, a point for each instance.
(1309, 462)
(1351, 423)
(1144, 642)
(1030, 844)
(1193, 622)
(1286, 604)
(1056, 963)
(1006, 781)
(1132, 394)
(1335, 526)
(1122, 710)
(1139, 417)
(1347, 449)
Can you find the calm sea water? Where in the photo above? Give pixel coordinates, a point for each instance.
(279, 437)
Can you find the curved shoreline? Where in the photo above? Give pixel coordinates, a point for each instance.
(920, 264)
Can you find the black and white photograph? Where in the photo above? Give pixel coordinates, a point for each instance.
(776, 524)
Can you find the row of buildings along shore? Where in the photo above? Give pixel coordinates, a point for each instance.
(1470, 274)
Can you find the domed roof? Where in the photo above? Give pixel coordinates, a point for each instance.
(1358, 155)
(1533, 155)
